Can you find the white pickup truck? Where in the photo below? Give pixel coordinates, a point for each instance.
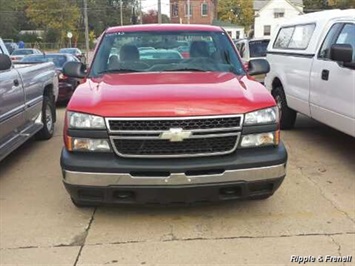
(27, 102)
(312, 60)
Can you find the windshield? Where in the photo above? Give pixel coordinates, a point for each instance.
(58, 60)
(68, 51)
(22, 52)
(258, 48)
(160, 51)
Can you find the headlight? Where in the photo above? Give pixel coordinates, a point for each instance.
(264, 116)
(79, 120)
(261, 139)
(86, 144)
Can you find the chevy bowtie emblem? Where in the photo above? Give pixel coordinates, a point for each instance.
(175, 134)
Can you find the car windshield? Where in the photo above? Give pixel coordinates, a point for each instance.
(161, 51)
(22, 52)
(58, 60)
(258, 48)
(67, 51)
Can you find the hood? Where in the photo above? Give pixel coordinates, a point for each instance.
(169, 94)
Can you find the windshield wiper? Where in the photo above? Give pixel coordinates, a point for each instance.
(119, 70)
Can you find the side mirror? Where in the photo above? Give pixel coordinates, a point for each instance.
(74, 69)
(5, 62)
(341, 53)
(258, 66)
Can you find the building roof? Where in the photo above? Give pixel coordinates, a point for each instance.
(323, 16)
(259, 4)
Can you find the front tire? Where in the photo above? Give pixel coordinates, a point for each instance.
(48, 110)
(287, 115)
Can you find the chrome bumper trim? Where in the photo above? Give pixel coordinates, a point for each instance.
(125, 179)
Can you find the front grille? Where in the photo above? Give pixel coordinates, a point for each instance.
(153, 147)
(166, 124)
(155, 137)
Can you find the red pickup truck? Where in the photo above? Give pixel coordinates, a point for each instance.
(158, 128)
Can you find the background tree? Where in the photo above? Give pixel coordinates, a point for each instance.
(13, 19)
(318, 5)
(7, 18)
(152, 17)
(60, 16)
(237, 11)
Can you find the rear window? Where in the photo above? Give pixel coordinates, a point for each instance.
(294, 37)
(22, 52)
(258, 48)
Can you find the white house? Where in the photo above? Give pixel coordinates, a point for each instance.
(269, 14)
(234, 31)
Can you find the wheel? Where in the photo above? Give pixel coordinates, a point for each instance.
(287, 115)
(82, 204)
(48, 110)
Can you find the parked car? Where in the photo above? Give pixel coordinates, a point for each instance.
(27, 95)
(250, 49)
(3, 48)
(18, 54)
(67, 85)
(170, 131)
(312, 60)
(11, 46)
(74, 51)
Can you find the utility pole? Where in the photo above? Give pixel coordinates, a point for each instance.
(159, 11)
(189, 11)
(140, 11)
(86, 29)
(121, 12)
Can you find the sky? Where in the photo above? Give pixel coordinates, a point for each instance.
(153, 4)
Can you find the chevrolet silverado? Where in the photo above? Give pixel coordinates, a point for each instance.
(161, 130)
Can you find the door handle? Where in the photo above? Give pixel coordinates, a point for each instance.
(325, 74)
(16, 83)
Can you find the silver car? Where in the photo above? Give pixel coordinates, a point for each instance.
(18, 54)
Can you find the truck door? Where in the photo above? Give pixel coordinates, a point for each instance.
(332, 94)
(12, 116)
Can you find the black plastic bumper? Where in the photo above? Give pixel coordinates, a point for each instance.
(153, 195)
(106, 164)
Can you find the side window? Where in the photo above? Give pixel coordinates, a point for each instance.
(301, 37)
(324, 51)
(175, 9)
(295, 37)
(267, 30)
(347, 36)
(284, 37)
(204, 9)
(238, 46)
(242, 50)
